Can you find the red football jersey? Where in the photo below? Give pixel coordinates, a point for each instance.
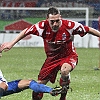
(58, 44)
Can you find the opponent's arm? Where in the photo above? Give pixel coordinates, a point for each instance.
(94, 32)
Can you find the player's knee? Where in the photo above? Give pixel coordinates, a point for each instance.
(65, 69)
(3, 85)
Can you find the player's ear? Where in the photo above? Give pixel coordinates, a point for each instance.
(47, 17)
(60, 16)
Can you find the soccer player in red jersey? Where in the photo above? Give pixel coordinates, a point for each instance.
(57, 34)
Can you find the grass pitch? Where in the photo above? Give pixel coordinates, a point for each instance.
(25, 63)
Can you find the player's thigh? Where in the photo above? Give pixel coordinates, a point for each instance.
(24, 83)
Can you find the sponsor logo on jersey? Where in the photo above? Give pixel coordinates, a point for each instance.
(47, 32)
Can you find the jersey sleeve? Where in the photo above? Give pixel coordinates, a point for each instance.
(80, 29)
(36, 29)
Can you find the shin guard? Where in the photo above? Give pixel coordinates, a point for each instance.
(64, 82)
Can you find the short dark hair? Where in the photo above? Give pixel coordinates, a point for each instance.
(53, 11)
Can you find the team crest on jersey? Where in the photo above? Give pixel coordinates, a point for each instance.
(63, 36)
(79, 29)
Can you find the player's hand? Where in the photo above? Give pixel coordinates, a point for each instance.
(5, 47)
(0, 54)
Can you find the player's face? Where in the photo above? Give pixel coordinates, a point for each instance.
(54, 22)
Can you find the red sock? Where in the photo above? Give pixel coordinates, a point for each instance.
(63, 96)
(37, 96)
(62, 82)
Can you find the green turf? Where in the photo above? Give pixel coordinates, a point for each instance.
(26, 62)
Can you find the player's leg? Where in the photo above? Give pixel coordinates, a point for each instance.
(38, 96)
(1, 92)
(3, 84)
(13, 87)
(66, 68)
(20, 85)
(3, 87)
(41, 88)
(45, 89)
(17, 86)
(38, 88)
(65, 78)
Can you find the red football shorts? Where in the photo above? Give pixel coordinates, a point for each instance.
(51, 67)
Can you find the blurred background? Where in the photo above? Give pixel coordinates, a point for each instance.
(94, 6)
(13, 20)
(16, 15)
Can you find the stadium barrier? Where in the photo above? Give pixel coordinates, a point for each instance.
(35, 41)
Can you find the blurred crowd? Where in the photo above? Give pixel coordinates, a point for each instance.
(46, 3)
(95, 4)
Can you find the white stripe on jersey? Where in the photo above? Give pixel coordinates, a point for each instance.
(77, 25)
(70, 31)
(39, 29)
(73, 48)
(30, 29)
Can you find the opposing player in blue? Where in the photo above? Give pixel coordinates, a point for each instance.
(7, 88)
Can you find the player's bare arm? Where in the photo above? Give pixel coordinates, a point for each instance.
(19, 37)
(94, 31)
